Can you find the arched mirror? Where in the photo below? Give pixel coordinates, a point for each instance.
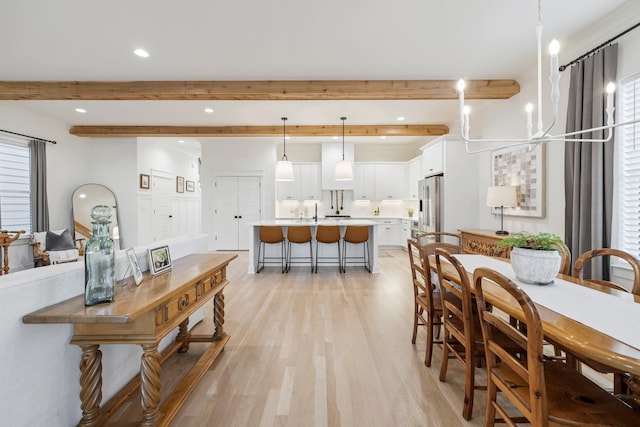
(86, 197)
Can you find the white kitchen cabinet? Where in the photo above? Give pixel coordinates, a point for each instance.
(433, 158)
(405, 232)
(310, 181)
(390, 181)
(305, 186)
(389, 231)
(413, 176)
(364, 176)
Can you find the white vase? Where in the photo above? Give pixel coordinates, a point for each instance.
(535, 266)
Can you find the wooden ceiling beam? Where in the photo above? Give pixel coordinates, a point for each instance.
(258, 131)
(256, 90)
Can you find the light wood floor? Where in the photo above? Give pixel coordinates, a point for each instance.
(325, 350)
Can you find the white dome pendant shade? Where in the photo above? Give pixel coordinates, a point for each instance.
(284, 171)
(343, 171)
(284, 168)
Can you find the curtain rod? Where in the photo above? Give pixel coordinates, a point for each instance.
(28, 136)
(563, 67)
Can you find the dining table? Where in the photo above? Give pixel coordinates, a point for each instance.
(595, 323)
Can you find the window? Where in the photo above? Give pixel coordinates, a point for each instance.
(15, 185)
(628, 141)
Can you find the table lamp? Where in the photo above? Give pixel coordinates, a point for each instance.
(502, 196)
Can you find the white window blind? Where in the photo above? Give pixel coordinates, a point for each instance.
(15, 187)
(629, 162)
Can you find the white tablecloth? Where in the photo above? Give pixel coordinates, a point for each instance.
(612, 315)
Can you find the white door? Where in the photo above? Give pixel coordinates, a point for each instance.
(161, 192)
(238, 202)
(248, 207)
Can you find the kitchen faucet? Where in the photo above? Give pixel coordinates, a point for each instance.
(315, 217)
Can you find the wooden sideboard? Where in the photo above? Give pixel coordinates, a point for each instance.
(483, 242)
(143, 315)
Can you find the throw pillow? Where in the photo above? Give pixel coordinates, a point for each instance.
(59, 242)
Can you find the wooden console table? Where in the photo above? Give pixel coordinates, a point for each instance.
(144, 315)
(483, 242)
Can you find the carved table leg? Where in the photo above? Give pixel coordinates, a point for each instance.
(183, 336)
(150, 384)
(90, 384)
(633, 398)
(218, 315)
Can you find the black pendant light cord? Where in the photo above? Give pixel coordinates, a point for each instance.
(343, 119)
(284, 137)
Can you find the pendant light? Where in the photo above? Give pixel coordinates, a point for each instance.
(284, 168)
(344, 171)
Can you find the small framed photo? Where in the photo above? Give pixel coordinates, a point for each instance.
(191, 186)
(135, 267)
(144, 181)
(159, 260)
(180, 184)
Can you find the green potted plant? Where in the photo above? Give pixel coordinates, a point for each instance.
(534, 257)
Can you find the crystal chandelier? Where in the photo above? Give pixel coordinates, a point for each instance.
(542, 134)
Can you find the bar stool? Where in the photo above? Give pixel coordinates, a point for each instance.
(356, 235)
(328, 234)
(298, 235)
(271, 234)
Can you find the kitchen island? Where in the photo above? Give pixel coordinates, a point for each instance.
(324, 250)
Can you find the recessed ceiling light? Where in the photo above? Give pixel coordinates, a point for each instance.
(141, 53)
(383, 137)
(400, 118)
(335, 137)
(81, 110)
(82, 196)
(208, 110)
(287, 137)
(181, 141)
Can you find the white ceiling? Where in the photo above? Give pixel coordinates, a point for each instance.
(276, 40)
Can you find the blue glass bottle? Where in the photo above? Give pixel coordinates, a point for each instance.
(99, 260)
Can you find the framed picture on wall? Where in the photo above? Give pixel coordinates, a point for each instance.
(144, 181)
(180, 184)
(191, 186)
(525, 170)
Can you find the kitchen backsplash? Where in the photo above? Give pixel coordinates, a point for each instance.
(358, 208)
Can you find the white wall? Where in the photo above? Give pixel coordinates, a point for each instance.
(115, 168)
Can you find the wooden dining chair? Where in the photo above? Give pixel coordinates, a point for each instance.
(542, 392)
(462, 338)
(565, 254)
(427, 307)
(587, 257)
(619, 385)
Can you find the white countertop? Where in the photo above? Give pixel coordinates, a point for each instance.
(311, 222)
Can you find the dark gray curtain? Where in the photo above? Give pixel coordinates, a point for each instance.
(589, 165)
(39, 205)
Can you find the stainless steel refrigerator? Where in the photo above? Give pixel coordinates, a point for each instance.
(430, 193)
